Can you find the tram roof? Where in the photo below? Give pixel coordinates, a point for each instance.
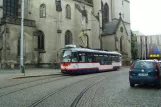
(92, 50)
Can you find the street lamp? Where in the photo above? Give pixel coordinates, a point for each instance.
(22, 37)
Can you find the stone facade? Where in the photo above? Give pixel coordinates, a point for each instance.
(123, 7)
(58, 24)
(116, 38)
(10, 42)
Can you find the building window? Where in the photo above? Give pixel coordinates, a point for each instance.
(10, 8)
(41, 40)
(68, 37)
(87, 40)
(121, 29)
(121, 44)
(28, 5)
(68, 11)
(85, 15)
(58, 5)
(42, 11)
(105, 15)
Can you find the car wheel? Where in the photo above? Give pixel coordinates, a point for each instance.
(132, 85)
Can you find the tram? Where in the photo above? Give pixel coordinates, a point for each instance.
(78, 60)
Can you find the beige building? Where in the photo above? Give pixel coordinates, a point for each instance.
(150, 40)
(49, 25)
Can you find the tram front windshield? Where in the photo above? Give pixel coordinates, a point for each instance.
(66, 56)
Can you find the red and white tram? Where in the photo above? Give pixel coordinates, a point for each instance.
(77, 60)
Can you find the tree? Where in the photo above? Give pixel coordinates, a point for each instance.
(134, 50)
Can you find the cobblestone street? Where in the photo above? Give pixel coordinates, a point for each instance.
(109, 89)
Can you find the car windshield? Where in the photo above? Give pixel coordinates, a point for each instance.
(143, 65)
(66, 56)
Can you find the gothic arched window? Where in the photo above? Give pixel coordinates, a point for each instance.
(10, 8)
(68, 11)
(121, 44)
(106, 13)
(41, 44)
(42, 11)
(68, 37)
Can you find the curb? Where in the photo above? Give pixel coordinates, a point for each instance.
(125, 66)
(21, 77)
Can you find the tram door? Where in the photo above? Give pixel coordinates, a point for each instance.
(75, 60)
(81, 60)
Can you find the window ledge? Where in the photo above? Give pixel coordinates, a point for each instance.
(59, 31)
(40, 50)
(68, 17)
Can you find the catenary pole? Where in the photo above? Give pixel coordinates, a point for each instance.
(22, 38)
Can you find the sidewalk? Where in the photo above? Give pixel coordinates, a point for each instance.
(34, 72)
(126, 66)
(31, 72)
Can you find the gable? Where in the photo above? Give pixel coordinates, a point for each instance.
(121, 28)
(112, 27)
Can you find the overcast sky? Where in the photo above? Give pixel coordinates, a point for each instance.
(146, 16)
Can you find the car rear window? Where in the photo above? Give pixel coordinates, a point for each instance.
(143, 65)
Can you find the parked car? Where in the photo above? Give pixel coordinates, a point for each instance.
(145, 72)
(160, 63)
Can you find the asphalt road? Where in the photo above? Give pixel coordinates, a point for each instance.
(109, 89)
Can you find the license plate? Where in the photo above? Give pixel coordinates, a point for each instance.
(143, 74)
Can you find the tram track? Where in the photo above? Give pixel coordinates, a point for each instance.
(78, 98)
(51, 76)
(34, 85)
(65, 87)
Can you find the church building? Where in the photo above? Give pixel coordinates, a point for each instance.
(49, 25)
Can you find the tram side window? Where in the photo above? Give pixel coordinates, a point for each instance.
(90, 57)
(74, 57)
(118, 58)
(108, 59)
(114, 58)
(82, 57)
(100, 59)
(95, 58)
